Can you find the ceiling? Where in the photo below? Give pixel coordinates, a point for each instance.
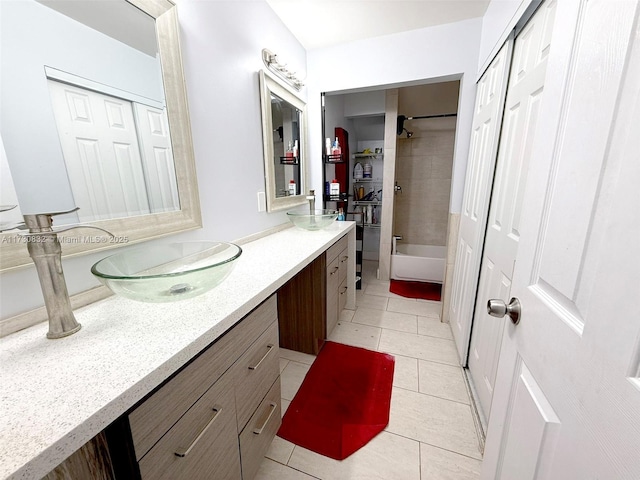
(321, 23)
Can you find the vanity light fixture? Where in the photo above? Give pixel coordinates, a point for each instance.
(270, 59)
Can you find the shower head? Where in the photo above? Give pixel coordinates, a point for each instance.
(400, 124)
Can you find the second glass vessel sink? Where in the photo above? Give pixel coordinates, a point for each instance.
(317, 220)
(165, 273)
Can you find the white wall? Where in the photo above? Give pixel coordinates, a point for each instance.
(445, 52)
(222, 43)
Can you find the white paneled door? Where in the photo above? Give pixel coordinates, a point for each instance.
(157, 158)
(521, 113)
(567, 392)
(482, 157)
(100, 147)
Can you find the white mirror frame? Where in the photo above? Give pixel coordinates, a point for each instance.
(14, 254)
(268, 85)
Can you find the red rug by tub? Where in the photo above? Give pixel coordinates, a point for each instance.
(423, 290)
(343, 402)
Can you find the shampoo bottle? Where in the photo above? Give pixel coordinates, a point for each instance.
(292, 187)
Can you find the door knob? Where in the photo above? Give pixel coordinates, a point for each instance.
(497, 308)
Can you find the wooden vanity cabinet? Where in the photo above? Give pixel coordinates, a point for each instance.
(193, 427)
(309, 305)
(337, 257)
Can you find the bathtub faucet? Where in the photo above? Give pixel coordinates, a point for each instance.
(394, 243)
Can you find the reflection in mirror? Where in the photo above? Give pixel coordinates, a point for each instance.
(95, 116)
(285, 119)
(284, 136)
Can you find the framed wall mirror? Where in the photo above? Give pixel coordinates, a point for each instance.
(284, 127)
(95, 116)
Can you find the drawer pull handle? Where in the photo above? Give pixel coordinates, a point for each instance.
(255, 367)
(344, 259)
(344, 291)
(181, 452)
(335, 269)
(258, 431)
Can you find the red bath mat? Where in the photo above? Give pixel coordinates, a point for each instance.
(343, 402)
(423, 290)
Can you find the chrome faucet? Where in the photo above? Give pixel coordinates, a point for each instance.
(312, 206)
(312, 201)
(46, 253)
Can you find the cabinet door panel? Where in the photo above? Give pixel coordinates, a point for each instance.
(203, 444)
(259, 432)
(255, 372)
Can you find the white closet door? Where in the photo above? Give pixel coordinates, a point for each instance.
(100, 148)
(567, 392)
(157, 158)
(475, 205)
(524, 97)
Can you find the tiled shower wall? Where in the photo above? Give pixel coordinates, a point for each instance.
(423, 170)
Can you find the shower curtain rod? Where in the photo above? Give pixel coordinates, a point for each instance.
(444, 115)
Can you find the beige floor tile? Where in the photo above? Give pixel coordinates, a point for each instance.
(284, 404)
(381, 290)
(414, 307)
(439, 464)
(270, 470)
(280, 450)
(383, 319)
(386, 457)
(297, 356)
(433, 327)
(283, 363)
(405, 373)
(346, 315)
(356, 335)
(444, 381)
(291, 378)
(433, 420)
(372, 301)
(418, 346)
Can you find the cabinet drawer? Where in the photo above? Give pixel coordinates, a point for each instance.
(343, 261)
(255, 372)
(342, 296)
(332, 312)
(203, 444)
(334, 250)
(259, 432)
(162, 409)
(333, 276)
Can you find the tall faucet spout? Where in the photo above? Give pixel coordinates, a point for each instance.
(312, 201)
(45, 251)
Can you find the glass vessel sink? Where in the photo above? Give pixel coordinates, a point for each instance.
(316, 221)
(165, 273)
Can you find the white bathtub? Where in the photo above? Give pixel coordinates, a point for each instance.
(422, 263)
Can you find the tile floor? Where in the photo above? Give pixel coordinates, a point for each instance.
(431, 434)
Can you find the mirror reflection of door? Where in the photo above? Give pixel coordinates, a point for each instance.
(286, 146)
(117, 153)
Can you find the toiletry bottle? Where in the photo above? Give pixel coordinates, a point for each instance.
(289, 153)
(292, 187)
(367, 170)
(327, 189)
(374, 215)
(334, 187)
(295, 149)
(341, 214)
(327, 146)
(357, 171)
(369, 214)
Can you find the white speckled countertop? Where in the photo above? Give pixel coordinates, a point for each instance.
(58, 394)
